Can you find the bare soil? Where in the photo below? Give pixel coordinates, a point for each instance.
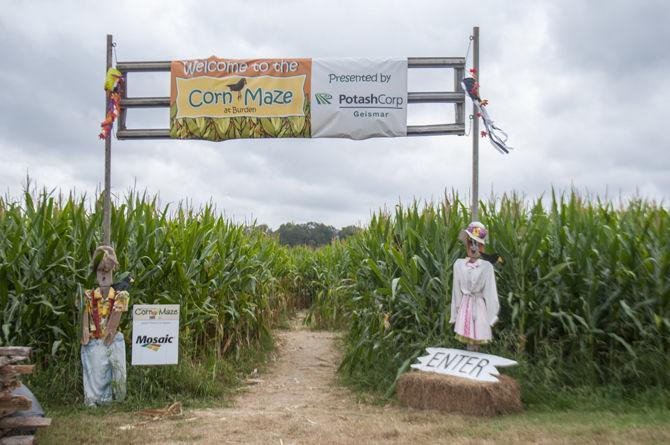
(300, 402)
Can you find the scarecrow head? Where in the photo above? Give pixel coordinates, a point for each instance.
(474, 238)
(104, 262)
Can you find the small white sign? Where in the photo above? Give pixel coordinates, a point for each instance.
(155, 334)
(467, 364)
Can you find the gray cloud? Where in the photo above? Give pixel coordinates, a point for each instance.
(618, 38)
(578, 85)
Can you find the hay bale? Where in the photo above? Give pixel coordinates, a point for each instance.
(428, 390)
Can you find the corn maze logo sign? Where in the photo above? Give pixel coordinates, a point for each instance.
(219, 99)
(155, 334)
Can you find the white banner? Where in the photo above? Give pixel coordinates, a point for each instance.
(459, 363)
(359, 98)
(155, 334)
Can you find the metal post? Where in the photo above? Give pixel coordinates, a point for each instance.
(106, 215)
(475, 130)
(124, 97)
(459, 107)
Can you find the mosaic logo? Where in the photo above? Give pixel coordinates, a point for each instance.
(323, 98)
(153, 343)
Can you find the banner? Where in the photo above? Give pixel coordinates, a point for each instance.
(219, 99)
(359, 98)
(155, 334)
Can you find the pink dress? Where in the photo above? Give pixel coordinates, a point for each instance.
(474, 301)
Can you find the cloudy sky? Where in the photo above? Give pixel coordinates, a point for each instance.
(579, 86)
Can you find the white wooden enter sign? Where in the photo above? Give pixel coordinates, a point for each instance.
(467, 364)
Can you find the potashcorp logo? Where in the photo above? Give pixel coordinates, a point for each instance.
(153, 343)
(323, 98)
(374, 100)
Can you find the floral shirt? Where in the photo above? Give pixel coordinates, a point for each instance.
(99, 309)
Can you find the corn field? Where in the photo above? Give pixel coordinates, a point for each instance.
(233, 282)
(584, 289)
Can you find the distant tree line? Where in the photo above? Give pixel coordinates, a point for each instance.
(309, 234)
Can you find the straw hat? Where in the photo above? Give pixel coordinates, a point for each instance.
(104, 259)
(476, 231)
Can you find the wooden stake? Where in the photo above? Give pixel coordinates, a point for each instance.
(16, 369)
(20, 351)
(17, 403)
(24, 422)
(9, 360)
(17, 440)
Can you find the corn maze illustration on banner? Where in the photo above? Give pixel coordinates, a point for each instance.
(155, 336)
(219, 99)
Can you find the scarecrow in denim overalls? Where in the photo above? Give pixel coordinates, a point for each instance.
(103, 351)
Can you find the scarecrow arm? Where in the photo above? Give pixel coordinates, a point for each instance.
(85, 334)
(112, 326)
(491, 297)
(456, 296)
(120, 305)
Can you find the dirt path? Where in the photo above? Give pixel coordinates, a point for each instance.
(299, 402)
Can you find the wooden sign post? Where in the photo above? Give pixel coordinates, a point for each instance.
(106, 212)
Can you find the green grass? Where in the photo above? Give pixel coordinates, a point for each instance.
(209, 381)
(608, 422)
(574, 426)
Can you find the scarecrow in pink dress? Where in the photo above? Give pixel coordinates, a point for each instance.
(474, 297)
